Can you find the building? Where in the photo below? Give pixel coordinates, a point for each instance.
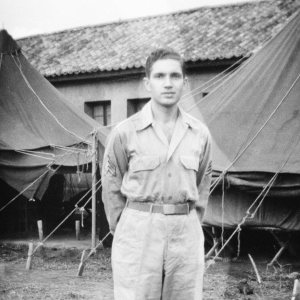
(100, 68)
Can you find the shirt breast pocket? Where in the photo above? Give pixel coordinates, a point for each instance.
(145, 163)
(190, 162)
(188, 176)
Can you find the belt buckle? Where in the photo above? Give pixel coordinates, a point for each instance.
(169, 209)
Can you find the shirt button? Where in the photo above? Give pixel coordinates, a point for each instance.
(170, 175)
(170, 198)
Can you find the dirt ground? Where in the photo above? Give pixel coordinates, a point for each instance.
(54, 275)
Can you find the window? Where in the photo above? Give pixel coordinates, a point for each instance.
(135, 105)
(100, 111)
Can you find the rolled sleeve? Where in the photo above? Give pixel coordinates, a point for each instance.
(115, 164)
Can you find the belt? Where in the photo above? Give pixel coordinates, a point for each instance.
(166, 209)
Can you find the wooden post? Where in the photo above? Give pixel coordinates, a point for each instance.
(30, 250)
(94, 181)
(77, 228)
(82, 263)
(40, 227)
(215, 246)
(215, 239)
(295, 289)
(276, 256)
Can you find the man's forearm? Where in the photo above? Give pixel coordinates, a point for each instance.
(114, 167)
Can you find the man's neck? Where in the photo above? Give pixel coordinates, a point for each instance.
(164, 115)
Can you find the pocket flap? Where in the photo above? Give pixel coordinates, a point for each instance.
(190, 162)
(144, 163)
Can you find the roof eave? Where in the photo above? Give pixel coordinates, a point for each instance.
(138, 72)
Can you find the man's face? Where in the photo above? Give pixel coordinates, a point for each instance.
(166, 82)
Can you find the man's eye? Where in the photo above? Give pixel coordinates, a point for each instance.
(158, 75)
(176, 76)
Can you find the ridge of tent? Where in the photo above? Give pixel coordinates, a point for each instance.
(7, 44)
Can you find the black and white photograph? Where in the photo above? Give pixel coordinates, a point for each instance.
(149, 150)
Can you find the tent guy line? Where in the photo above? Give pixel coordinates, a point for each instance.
(215, 77)
(226, 76)
(25, 189)
(35, 155)
(202, 99)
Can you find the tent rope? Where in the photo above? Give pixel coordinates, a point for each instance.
(40, 100)
(94, 249)
(223, 208)
(204, 98)
(69, 149)
(212, 79)
(31, 184)
(34, 155)
(34, 152)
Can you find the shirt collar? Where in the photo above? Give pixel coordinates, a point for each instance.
(185, 117)
(146, 117)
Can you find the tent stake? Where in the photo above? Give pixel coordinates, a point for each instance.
(77, 228)
(30, 250)
(295, 289)
(82, 263)
(40, 227)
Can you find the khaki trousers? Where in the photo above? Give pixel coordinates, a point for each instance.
(158, 257)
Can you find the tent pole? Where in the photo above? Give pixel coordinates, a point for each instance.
(94, 158)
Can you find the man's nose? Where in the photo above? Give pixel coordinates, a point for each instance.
(168, 81)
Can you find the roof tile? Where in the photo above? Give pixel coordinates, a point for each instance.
(206, 33)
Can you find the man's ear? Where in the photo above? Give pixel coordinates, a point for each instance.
(147, 84)
(185, 80)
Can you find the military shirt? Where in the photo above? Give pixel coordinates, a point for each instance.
(141, 165)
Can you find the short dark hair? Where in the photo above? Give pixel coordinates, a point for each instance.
(160, 54)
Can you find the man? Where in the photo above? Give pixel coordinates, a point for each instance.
(156, 179)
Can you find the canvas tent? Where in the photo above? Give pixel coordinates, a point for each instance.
(41, 131)
(255, 125)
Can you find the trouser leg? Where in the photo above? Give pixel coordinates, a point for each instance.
(137, 256)
(184, 261)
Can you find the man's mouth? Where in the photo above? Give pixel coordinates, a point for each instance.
(168, 93)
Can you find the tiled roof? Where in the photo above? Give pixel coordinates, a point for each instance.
(205, 33)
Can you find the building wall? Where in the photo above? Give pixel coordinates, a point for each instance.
(119, 91)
